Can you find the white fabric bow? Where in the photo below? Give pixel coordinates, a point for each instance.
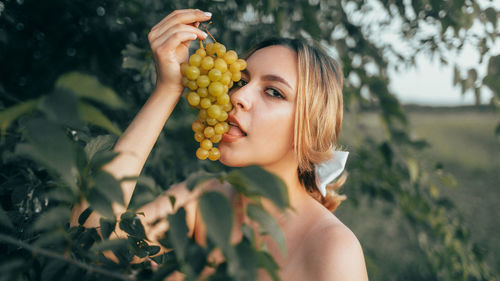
(327, 171)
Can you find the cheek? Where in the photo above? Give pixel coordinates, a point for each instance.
(275, 131)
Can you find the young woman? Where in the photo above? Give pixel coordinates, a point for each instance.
(286, 117)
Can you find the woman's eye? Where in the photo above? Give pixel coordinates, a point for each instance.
(274, 93)
(240, 83)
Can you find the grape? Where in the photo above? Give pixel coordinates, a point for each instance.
(193, 99)
(211, 121)
(218, 128)
(192, 72)
(226, 78)
(202, 115)
(214, 111)
(201, 52)
(205, 103)
(192, 85)
(220, 64)
(216, 89)
(223, 99)
(209, 73)
(198, 126)
(230, 57)
(236, 76)
(209, 131)
(185, 81)
(210, 49)
(214, 154)
(195, 60)
(243, 64)
(216, 138)
(220, 49)
(184, 66)
(222, 116)
(199, 136)
(203, 81)
(202, 92)
(206, 144)
(202, 154)
(207, 63)
(215, 75)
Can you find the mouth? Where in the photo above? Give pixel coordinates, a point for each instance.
(235, 131)
(234, 126)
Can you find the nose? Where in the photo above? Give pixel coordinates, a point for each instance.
(240, 98)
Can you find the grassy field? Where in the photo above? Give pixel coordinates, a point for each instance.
(463, 142)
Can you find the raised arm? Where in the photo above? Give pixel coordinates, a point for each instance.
(169, 40)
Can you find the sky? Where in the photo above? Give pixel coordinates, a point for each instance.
(430, 82)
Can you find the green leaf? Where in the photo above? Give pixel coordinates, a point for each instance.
(243, 262)
(178, 232)
(108, 225)
(87, 86)
(61, 106)
(4, 219)
(13, 265)
(49, 145)
(94, 116)
(100, 203)
(310, 22)
(99, 144)
(52, 218)
(84, 216)
(136, 58)
(492, 16)
(197, 258)
(491, 79)
(102, 158)
(130, 223)
(53, 270)
(108, 186)
(8, 115)
(267, 224)
(266, 261)
(253, 180)
(217, 214)
(194, 179)
(112, 245)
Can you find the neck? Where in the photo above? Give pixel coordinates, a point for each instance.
(297, 194)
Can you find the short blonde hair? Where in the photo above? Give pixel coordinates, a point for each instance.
(318, 113)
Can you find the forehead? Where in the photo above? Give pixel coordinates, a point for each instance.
(274, 60)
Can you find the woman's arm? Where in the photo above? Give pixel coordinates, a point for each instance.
(169, 41)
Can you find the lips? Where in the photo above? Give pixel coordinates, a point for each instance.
(235, 127)
(235, 131)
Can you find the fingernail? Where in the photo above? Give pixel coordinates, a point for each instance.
(208, 14)
(204, 34)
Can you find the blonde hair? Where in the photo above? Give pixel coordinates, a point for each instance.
(318, 114)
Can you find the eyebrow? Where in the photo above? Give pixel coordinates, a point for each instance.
(271, 77)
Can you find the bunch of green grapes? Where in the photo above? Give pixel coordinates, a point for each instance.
(208, 76)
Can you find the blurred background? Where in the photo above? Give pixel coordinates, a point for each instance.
(421, 94)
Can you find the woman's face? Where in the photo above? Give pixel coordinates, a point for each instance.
(262, 118)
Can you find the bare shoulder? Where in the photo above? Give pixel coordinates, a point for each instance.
(333, 252)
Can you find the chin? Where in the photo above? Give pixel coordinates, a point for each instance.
(229, 158)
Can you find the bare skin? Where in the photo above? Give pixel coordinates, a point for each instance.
(319, 246)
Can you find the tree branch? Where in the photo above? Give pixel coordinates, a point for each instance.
(36, 250)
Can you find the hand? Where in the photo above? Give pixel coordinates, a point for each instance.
(170, 40)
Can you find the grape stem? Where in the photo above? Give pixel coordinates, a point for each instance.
(208, 32)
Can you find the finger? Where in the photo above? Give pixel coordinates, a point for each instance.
(188, 18)
(178, 12)
(183, 29)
